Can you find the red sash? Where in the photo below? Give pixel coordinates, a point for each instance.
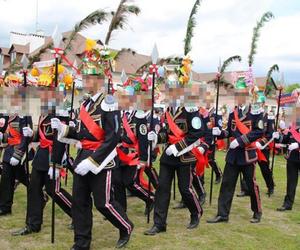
(295, 133)
(93, 128)
(202, 160)
(133, 158)
(44, 142)
(15, 138)
(245, 130)
(220, 144)
(144, 183)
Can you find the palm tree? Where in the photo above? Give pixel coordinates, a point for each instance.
(120, 18)
(256, 34)
(269, 81)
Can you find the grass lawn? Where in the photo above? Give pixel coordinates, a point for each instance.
(276, 231)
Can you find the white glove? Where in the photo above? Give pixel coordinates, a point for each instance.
(1, 136)
(293, 146)
(13, 161)
(201, 149)
(234, 144)
(84, 167)
(152, 136)
(72, 124)
(78, 145)
(216, 131)
(258, 145)
(27, 132)
(276, 135)
(172, 150)
(57, 173)
(56, 124)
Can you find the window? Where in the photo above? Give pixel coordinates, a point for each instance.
(1, 59)
(13, 56)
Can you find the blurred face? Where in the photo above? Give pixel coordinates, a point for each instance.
(240, 99)
(93, 83)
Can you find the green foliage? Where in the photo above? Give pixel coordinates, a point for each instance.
(13, 67)
(228, 62)
(269, 86)
(120, 17)
(291, 87)
(256, 34)
(190, 28)
(36, 57)
(96, 17)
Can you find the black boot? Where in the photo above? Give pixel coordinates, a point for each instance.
(284, 208)
(4, 212)
(242, 194)
(270, 191)
(218, 179)
(124, 237)
(155, 230)
(150, 208)
(194, 222)
(24, 231)
(256, 217)
(218, 219)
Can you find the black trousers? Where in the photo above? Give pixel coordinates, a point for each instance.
(127, 177)
(153, 176)
(292, 173)
(215, 168)
(100, 186)
(7, 184)
(267, 174)
(265, 171)
(35, 198)
(163, 193)
(230, 177)
(198, 184)
(212, 162)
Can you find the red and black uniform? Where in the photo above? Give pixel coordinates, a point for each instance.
(264, 164)
(3, 127)
(99, 133)
(49, 151)
(292, 165)
(211, 122)
(246, 128)
(15, 145)
(151, 172)
(182, 129)
(133, 152)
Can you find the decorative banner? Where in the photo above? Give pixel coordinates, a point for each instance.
(287, 99)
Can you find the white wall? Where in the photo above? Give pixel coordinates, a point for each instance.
(35, 41)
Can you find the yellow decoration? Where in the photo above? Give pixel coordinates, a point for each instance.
(185, 70)
(44, 80)
(35, 72)
(90, 44)
(68, 80)
(60, 70)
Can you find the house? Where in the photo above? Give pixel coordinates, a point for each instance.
(4, 57)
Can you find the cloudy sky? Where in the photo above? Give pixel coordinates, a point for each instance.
(224, 28)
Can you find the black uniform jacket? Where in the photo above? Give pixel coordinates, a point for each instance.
(42, 159)
(245, 153)
(193, 128)
(109, 122)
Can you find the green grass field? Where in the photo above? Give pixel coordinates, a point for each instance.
(276, 231)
